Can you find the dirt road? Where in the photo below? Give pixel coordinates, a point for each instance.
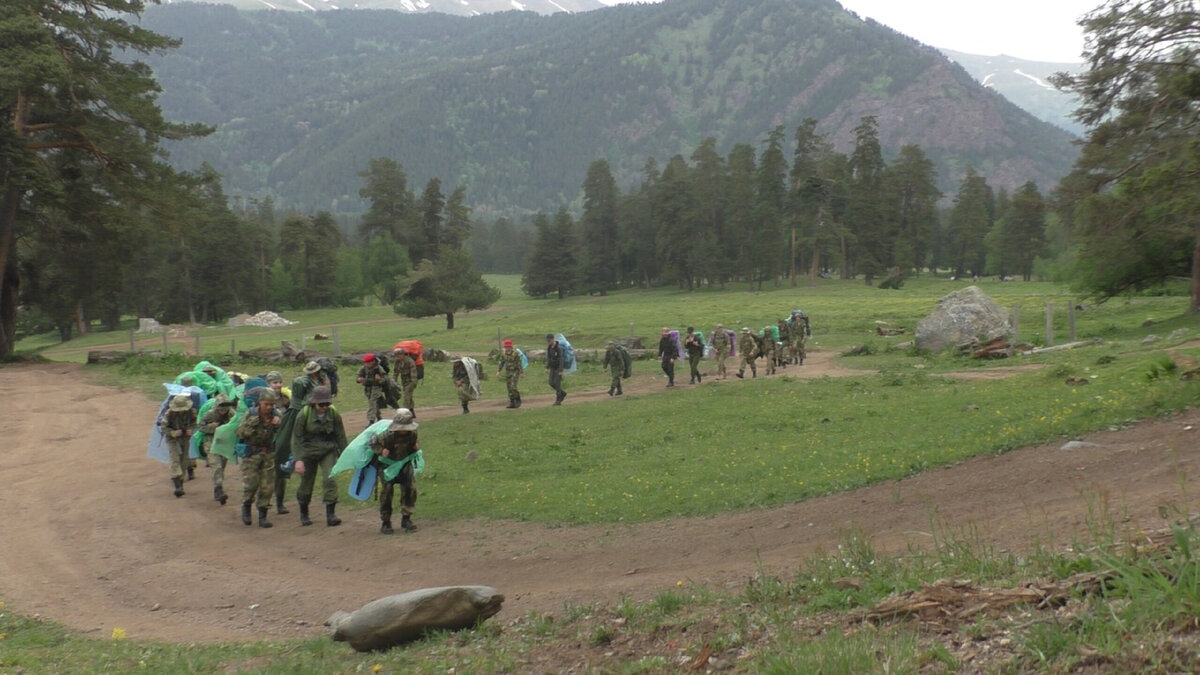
(93, 538)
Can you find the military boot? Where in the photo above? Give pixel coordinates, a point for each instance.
(304, 519)
(407, 525)
(465, 408)
(219, 495)
(331, 520)
(262, 517)
(385, 527)
(512, 403)
(191, 473)
(178, 483)
(246, 520)
(279, 507)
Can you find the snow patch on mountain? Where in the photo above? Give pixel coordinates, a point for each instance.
(1037, 80)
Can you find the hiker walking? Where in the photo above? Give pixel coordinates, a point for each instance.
(748, 346)
(693, 344)
(398, 444)
(219, 414)
(616, 364)
(466, 373)
(302, 387)
(178, 425)
(721, 345)
(373, 378)
(668, 351)
(318, 437)
(554, 368)
(257, 432)
(768, 349)
(513, 370)
(406, 373)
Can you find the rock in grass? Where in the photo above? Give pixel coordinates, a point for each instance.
(396, 619)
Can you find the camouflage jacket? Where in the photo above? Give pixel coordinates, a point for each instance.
(406, 368)
(302, 388)
(748, 346)
(372, 380)
(720, 340)
(256, 432)
(213, 419)
(399, 444)
(510, 363)
(184, 420)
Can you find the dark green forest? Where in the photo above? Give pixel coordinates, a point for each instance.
(515, 106)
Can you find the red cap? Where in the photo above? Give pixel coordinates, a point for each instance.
(369, 358)
(508, 343)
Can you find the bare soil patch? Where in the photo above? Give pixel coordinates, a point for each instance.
(93, 537)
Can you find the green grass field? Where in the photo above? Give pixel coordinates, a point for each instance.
(725, 446)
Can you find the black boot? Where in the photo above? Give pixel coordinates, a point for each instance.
(304, 519)
(262, 517)
(219, 495)
(619, 392)
(331, 520)
(741, 375)
(178, 483)
(465, 408)
(518, 405)
(191, 473)
(610, 391)
(385, 527)
(511, 403)
(279, 507)
(246, 520)
(407, 525)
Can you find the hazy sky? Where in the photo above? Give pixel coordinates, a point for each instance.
(1038, 30)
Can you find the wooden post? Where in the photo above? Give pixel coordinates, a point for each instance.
(1049, 324)
(1071, 319)
(164, 347)
(232, 347)
(337, 348)
(132, 342)
(500, 339)
(1016, 322)
(197, 346)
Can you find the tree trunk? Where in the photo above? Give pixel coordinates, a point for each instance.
(449, 320)
(815, 269)
(10, 283)
(1195, 304)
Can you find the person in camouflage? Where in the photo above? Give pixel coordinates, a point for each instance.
(394, 445)
(512, 369)
(283, 395)
(616, 366)
(748, 346)
(693, 346)
(219, 414)
(783, 355)
(720, 344)
(768, 349)
(373, 378)
(406, 373)
(462, 381)
(178, 425)
(257, 432)
(318, 438)
(302, 388)
(801, 331)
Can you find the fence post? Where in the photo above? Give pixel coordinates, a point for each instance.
(164, 347)
(132, 342)
(197, 346)
(1071, 319)
(232, 346)
(500, 339)
(1016, 322)
(337, 347)
(1049, 324)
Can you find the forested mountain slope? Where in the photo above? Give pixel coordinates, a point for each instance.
(516, 105)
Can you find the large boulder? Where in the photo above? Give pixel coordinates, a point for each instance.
(396, 619)
(962, 317)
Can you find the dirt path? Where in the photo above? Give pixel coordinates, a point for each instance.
(97, 541)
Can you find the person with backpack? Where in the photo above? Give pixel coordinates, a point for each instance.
(257, 432)
(178, 425)
(302, 387)
(219, 414)
(466, 373)
(406, 372)
(721, 345)
(693, 344)
(668, 351)
(398, 443)
(767, 348)
(554, 368)
(318, 438)
(615, 363)
(373, 378)
(748, 346)
(513, 369)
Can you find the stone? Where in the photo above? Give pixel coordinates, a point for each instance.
(397, 619)
(962, 317)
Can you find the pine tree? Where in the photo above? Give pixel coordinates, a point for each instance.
(599, 224)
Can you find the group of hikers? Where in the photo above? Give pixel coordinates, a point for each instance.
(273, 431)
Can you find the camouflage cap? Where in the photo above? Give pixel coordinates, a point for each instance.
(180, 402)
(274, 376)
(404, 420)
(312, 368)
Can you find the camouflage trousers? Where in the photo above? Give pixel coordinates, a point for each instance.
(178, 449)
(375, 402)
(511, 380)
(218, 463)
(721, 356)
(769, 355)
(408, 493)
(464, 392)
(407, 389)
(258, 477)
(309, 478)
(748, 363)
(615, 385)
(799, 352)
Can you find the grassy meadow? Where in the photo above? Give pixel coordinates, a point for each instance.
(649, 456)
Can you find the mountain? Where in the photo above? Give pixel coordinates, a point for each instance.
(453, 7)
(516, 105)
(1026, 84)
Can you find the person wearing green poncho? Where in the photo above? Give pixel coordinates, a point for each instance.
(257, 432)
(302, 388)
(217, 415)
(318, 437)
(394, 445)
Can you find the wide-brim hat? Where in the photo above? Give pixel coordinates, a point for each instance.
(321, 394)
(404, 420)
(312, 368)
(180, 403)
